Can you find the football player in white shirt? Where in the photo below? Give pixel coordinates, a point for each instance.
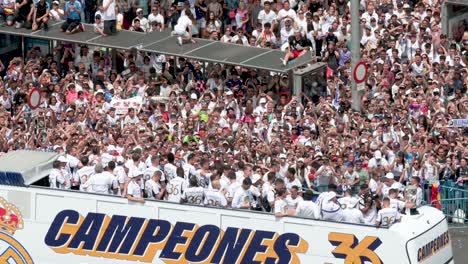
(189, 168)
(233, 186)
(153, 187)
(389, 183)
(214, 197)
(394, 201)
(194, 193)
(243, 197)
(307, 208)
(331, 209)
(387, 215)
(120, 172)
(56, 176)
(281, 206)
(176, 187)
(84, 173)
(350, 213)
(170, 170)
(367, 205)
(102, 181)
(133, 191)
(290, 180)
(293, 198)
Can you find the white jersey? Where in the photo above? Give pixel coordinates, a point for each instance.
(152, 188)
(281, 206)
(215, 198)
(84, 174)
(387, 216)
(308, 209)
(183, 23)
(170, 170)
(369, 218)
(292, 202)
(331, 211)
(59, 178)
(397, 204)
(242, 197)
(353, 215)
(231, 190)
(175, 188)
(193, 195)
(101, 183)
(134, 189)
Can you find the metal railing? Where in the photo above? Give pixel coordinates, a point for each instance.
(453, 202)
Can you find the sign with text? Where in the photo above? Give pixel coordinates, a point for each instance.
(122, 105)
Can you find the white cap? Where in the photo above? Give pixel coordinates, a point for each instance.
(263, 100)
(300, 160)
(282, 156)
(100, 91)
(139, 10)
(62, 159)
(364, 140)
(389, 176)
(256, 177)
(377, 154)
(229, 92)
(331, 195)
(193, 96)
(318, 154)
(69, 109)
(136, 173)
(56, 2)
(111, 148)
(120, 159)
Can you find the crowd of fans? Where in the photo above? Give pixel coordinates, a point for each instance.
(228, 136)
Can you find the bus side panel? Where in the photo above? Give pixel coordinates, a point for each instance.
(432, 246)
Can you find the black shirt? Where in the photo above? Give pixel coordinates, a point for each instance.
(299, 44)
(41, 9)
(24, 10)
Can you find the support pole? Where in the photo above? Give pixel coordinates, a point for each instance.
(355, 52)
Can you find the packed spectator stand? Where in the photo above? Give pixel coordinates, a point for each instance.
(229, 136)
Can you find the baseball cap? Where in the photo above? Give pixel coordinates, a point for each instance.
(229, 92)
(56, 3)
(389, 176)
(282, 156)
(194, 96)
(62, 159)
(139, 10)
(263, 100)
(136, 173)
(378, 154)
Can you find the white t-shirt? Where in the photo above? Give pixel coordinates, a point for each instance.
(281, 206)
(292, 203)
(387, 216)
(242, 197)
(331, 211)
(109, 14)
(170, 170)
(175, 188)
(134, 189)
(182, 24)
(353, 215)
(101, 183)
(397, 204)
(214, 198)
(265, 17)
(152, 188)
(308, 209)
(193, 195)
(158, 18)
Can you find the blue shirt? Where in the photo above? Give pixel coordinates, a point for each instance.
(73, 14)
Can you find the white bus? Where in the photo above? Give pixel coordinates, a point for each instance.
(47, 226)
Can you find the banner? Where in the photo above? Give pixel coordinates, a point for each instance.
(122, 105)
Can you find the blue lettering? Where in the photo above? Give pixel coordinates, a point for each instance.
(174, 239)
(281, 248)
(256, 246)
(120, 232)
(88, 232)
(206, 243)
(54, 238)
(231, 245)
(149, 237)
